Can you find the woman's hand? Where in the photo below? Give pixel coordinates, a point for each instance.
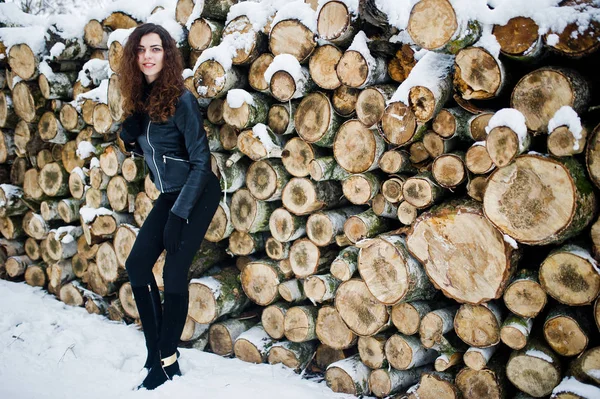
(172, 233)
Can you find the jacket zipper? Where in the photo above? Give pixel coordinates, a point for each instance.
(153, 157)
(165, 157)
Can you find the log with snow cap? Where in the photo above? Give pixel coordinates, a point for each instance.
(358, 68)
(287, 79)
(294, 31)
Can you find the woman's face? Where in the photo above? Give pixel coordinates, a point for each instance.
(150, 56)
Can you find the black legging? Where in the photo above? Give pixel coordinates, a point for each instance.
(149, 243)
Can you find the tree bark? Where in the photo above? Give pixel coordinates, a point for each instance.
(295, 355)
(217, 295)
(365, 225)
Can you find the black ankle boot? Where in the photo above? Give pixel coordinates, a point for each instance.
(147, 299)
(165, 367)
(162, 370)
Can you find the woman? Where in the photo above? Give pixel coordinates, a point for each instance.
(165, 125)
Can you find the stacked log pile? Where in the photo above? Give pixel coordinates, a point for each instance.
(408, 207)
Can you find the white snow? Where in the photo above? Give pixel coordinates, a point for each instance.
(512, 119)
(359, 44)
(99, 94)
(582, 253)
(258, 13)
(546, 13)
(594, 373)
(33, 36)
(570, 384)
(89, 214)
(57, 50)
(224, 52)
(196, 13)
(237, 97)
(187, 73)
(93, 72)
(298, 10)
(511, 241)
(211, 283)
(11, 191)
(478, 144)
(85, 149)
(45, 69)
(260, 131)
(539, 355)
(289, 64)
(429, 71)
(351, 5)
(566, 116)
(166, 19)
(552, 39)
(119, 35)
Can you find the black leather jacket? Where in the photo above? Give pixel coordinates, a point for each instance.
(176, 151)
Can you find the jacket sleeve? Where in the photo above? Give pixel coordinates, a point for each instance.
(188, 120)
(131, 128)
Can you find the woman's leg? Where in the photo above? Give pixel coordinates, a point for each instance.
(175, 277)
(146, 250)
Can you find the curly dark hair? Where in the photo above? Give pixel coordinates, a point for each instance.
(168, 86)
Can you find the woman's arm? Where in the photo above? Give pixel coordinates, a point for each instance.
(131, 128)
(188, 120)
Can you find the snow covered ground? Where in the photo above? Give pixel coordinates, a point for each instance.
(51, 350)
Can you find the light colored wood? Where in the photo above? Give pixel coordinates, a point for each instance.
(323, 226)
(477, 359)
(335, 23)
(399, 125)
(315, 120)
(345, 264)
(248, 214)
(449, 170)
(307, 259)
(479, 325)
(299, 323)
(349, 376)
(285, 226)
(257, 70)
(253, 345)
(356, 148)
(524, 296)
(290, 36)
(534, 99)
(450, 36)
(563, 142)
(344, 100)
(272, 319)
(566, 206)
(322, 66)
(515, 331)
(260, 280)
(478, 160)
(436, 240)
(302, 196)
(295, 355)
(435, 324)
(534, 369)
(478, 75)
(567, 330)
(359, 309)
(331, 329)
(297, 155)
